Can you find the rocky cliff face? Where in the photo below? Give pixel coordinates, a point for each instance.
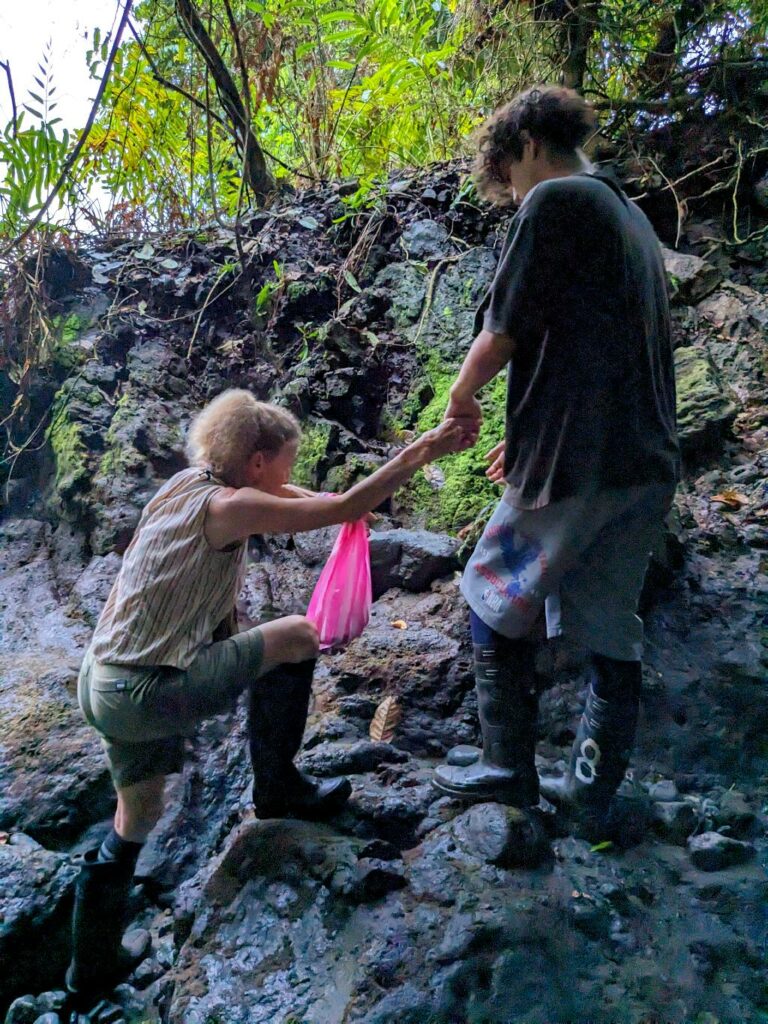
(410, 908)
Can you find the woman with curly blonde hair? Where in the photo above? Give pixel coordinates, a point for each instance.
(164, 654)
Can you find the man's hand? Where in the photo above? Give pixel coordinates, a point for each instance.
(463, 406)
(495, 457)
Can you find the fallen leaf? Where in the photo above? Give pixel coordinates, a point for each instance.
(146, 252)
(4, 837)
(399, 624)
(731, 498)
(385, 721)
(605, 845)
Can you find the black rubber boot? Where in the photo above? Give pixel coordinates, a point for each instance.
(99, 959)
(507, 704)
(277, 715)
(603, 745)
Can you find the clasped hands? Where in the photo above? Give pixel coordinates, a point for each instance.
(465, 409)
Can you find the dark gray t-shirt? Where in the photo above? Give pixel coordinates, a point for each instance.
(582, 291)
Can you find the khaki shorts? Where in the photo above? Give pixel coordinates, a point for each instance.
(583, 560)
(144, 713)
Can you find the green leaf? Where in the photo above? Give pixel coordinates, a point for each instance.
(598, 847)
(351, 280)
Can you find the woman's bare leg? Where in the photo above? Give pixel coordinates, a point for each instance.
(139, 808)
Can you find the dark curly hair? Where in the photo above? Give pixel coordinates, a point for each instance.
(557, 117)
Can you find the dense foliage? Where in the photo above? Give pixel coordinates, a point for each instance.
(205, 108)
(209, 102)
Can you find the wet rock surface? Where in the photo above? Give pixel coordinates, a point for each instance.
(408, 906)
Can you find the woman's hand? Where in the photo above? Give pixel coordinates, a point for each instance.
(453, 435)
(291, 639)
(495, 457)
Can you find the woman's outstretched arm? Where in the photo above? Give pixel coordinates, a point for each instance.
(238, 513)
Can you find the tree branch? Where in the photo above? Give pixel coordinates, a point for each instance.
(6, 66)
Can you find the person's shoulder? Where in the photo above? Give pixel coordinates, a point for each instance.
(574, 187)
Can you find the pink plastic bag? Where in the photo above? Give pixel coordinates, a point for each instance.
(341, 600)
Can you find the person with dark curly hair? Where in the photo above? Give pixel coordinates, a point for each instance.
(578, 311)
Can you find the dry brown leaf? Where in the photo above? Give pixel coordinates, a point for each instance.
(731, 498)
(399, 624)
(385, 721)
(4, 837)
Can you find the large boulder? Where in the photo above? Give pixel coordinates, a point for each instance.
(410, 559)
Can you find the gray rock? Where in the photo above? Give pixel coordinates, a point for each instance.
(691, 278)
(704, 411)
(457, 293)
(405, 287)
(736, 816)
(712, 851)
(410, 559)
(406, 1005)
(674, 821)
(329, 759)
(35, 904)
(736, 310)
(51, 1002)
(590, 915)
(662, 791)
(503, 836)
(425, 240)
(23, 1010)
(375, 878)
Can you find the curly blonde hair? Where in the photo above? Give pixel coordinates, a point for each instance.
(557, 117)
(234, 426)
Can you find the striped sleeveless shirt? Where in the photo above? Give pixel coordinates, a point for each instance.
(173, 588)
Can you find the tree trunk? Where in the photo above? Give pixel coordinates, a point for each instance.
(578, 30)
(255, 170)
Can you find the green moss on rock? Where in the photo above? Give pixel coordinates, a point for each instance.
(465, 490)
(69, 451)
(66, 331)
(309, 468)
(704, 410)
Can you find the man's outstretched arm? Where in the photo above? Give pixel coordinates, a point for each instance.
(489, 353)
